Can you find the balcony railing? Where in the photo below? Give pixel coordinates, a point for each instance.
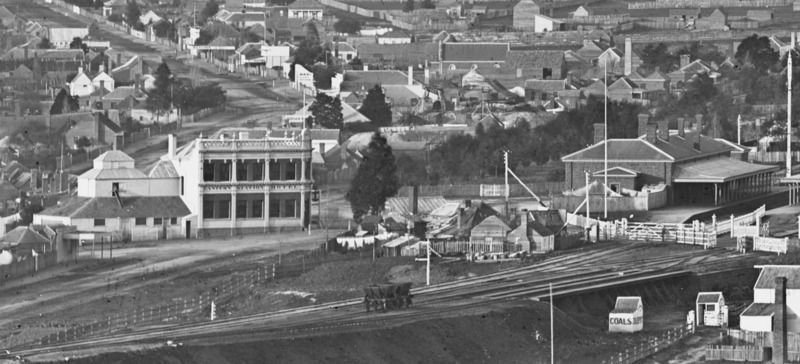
(262, 186)
(256, 145)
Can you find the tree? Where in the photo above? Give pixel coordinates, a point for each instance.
(411, 171)
(100, 59)
(428, 4)
(132, 13)
(204, 38)
(322, 76)
(408, 6)
(83, 142)
(375, 107)
(309, 52)
(327, 111)
(44, 44)
(756, 51)
(658, 56)
(208, 11)
(375, 180)
(27, 210)
(163, 79)
(77, 43)
(98, 4)
(64, 103)
(348, 26)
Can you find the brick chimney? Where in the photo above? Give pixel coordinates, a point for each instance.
(651, 133)
(34, 179)
(663, 130)
(413, 202)
(684, 60)
(682, 127)
(599, 133)
(699, 130)
(410, 75)
(779, 322)
(643, 120)
(628, 56)
(171, 141)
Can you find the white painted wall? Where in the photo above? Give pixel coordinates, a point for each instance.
(756, 323)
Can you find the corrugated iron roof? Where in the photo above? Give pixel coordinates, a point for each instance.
(718, 170)
(115, 174)
(627, 304)
(163, 169)
(709, 297)
(474, 52)
(109, 207)
(425, 205)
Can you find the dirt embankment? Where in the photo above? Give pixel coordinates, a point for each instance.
(508, 334)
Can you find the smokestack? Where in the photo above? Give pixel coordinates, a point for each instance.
(663, 130)
(80, 70)
(410, 75)
(699, 127)
(628, 56)
(643, 120)
(137, 81)
(681, 127)
(427, 76)
(458, 220)
(650, 136)
(171, 141)
(779, 322)
(413, 203)
(599, 133)
(684, 60)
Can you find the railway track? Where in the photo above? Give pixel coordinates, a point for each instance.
(593, 269)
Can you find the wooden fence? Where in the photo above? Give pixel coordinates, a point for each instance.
(25, 264)
(474, 190)
(655, 344)
(771, 157)
(734, 353)
(730, 226)
(692, 234)
(672, 4)
(775, 245)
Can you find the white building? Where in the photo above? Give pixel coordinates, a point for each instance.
(103, 80)
(305, 9)
(275, 56)
(150, 17)
(758, 316)
(244, 181)
(84, 85)
(114, 198)
(344, 51)
(394, 37)
(62, 37)
(544, 24)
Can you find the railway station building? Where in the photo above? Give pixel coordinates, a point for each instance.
(691, 168)
(243, 180)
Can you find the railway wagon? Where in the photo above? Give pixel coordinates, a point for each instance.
(387, 296)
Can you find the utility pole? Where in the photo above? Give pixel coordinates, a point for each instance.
(739, 130)
(605, 145)
(552, 335)
(588, 200)
(789, 111)
(428, 274)
(505, 160)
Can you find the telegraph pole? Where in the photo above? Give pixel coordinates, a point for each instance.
(505, 160)
(789, 112)
(605, 144)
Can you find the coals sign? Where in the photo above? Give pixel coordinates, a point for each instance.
(614, 321)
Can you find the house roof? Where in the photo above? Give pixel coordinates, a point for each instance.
(22, 69)
(535, 58)
(418, 50)
(546, 85)
(492, 221)
(22, 235)
(109, 207)
(113, 174)
(539, 229)
(305, 4)
(760, 309)
(627, 304)
(425, 205)
(709, 297)
(623, 82)
(123, 92)
(617, 172)
(766, 279)
(114, 156)
(365, 80)
(163, 169)
(474, 52)
(220, 41)
(550, 218)
(107, 122)
(675, 149)
(717, 170)
(344, 47)
(5, 13)
(245, 17)
(395, 34)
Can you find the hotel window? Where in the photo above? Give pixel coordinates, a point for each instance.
(274, 171)
(208, 208)
(291, 171)
(223, 208)
(289, 207)
(256, 171)
(241, 208)
(257, 208)
(274, 208)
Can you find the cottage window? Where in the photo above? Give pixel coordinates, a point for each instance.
(615, 187)
(173, 221)
(181, 185)
(636, 96)
(141, 221)
(99, 222)
(114, 188)
(157, 221)
(547, 73)
(497, 65)
(711, 307)
(452, 67)
(544, 96)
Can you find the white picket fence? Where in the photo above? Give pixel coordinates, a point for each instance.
(746, 219)
(775, 245)
(696, 233)
(745, 231)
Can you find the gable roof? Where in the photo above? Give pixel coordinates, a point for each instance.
(617, 172)
(365, 80)
(549, 218)
(623, 82)
(474, 52)
(535, 58)
(123, 92)
(163, 169)
(395, 34)
(5, 13)
(344, 47)
(305, 4)
(627, 304)
(22, 235)
(220, 41)
(492, 221)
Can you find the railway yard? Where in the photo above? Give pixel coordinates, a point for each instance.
(325, 308)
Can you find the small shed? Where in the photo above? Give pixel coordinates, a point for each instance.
(627, 315)
(395, 247)
(711, 310)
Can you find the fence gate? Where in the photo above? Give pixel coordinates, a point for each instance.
(775, 245)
